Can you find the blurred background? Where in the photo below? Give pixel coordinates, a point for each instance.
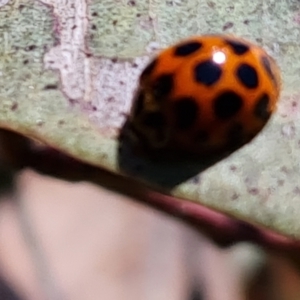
(74, 241)
(61, 240)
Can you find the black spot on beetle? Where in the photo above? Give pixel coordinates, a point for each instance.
(186, 111)
(267, 66)
(227, 104)
(207, 72)
(163, 86)
(154, 119)
(247, 75)
(187, 48)
(237, 47)
(261, 109)
(157, 122)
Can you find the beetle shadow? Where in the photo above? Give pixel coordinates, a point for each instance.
(156, 169)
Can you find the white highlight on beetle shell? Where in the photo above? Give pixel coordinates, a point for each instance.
(219, 57)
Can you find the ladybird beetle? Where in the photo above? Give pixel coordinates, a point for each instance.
(207, 95)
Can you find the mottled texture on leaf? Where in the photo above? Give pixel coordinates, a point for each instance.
(68, 71)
